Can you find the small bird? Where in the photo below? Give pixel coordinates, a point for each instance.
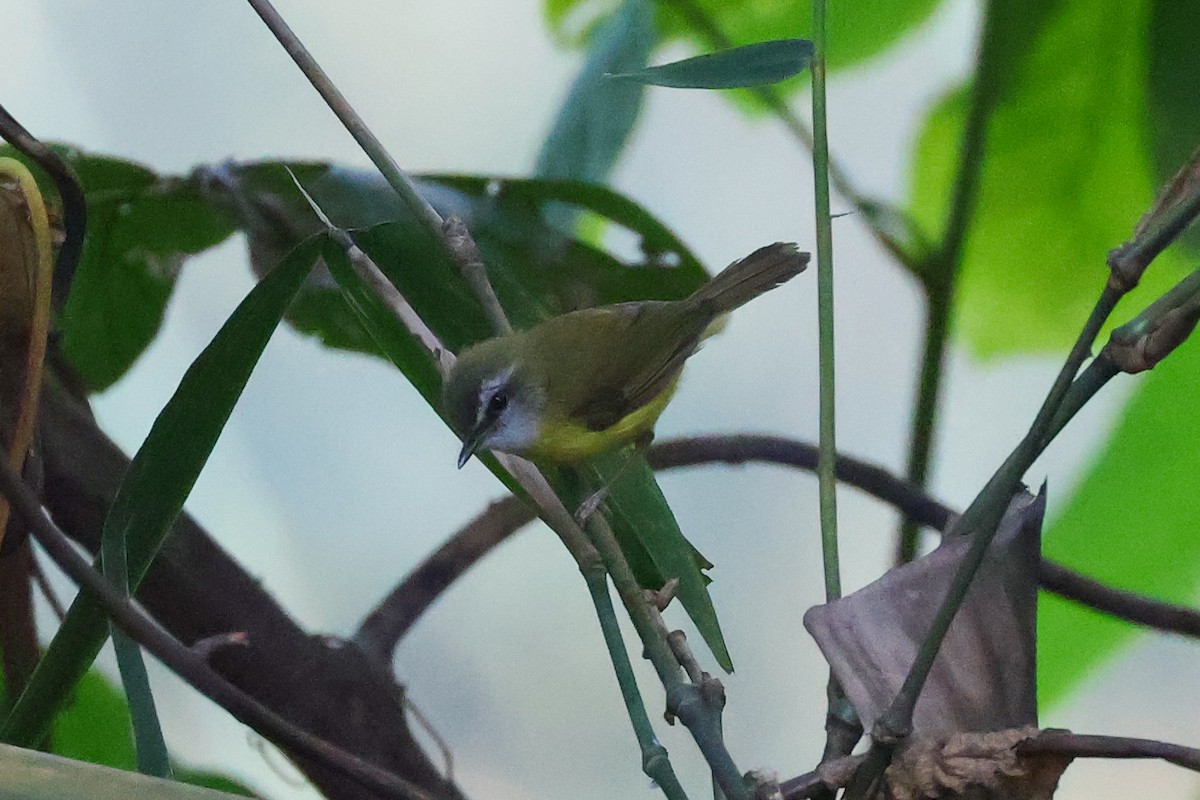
(594, 380)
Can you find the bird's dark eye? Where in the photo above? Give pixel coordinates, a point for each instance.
(497, 403)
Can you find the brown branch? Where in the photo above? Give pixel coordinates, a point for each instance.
(196, 590)
(1129, 606)
(835, 775)
(1082, 745)
(391, 619)
(185, 663)
(386, 625)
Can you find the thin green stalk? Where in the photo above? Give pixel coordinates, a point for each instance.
(655, 762)
(827, 480)
(869, 210)
(684, 700)
(827, 440)
(937, 334)
(941, 272)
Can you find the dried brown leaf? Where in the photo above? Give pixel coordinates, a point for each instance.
(984, 676)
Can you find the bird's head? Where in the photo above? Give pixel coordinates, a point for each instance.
(492, 402)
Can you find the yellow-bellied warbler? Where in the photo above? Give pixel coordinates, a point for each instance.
(593, 380)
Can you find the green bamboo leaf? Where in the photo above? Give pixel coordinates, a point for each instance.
(160, 478)
(651, 539)
(151, 748)
(758, 64)
(30, 775)
(855, 33)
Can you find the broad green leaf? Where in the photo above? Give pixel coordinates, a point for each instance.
(1065, 177)
(855, 32)
(160, 478)
(756, 64)
(30, 775)
(141, 228)
(1131, 523)
(598, 114)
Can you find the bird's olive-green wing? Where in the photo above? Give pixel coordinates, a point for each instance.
(622, 358)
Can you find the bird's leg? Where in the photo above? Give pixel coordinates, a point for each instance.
(589, 506)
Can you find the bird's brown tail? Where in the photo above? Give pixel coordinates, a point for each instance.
(746, 279)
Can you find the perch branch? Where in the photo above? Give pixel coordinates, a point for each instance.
(386, 625)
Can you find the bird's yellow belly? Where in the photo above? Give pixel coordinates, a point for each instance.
(567, 441)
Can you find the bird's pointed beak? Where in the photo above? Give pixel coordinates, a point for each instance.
(472, 444)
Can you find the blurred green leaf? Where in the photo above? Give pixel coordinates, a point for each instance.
(159, 479)
(598, 114)
(855, 32)
(30, 775)
(94, 726)
(1131, 523)
(1065, 178)
(755, 64)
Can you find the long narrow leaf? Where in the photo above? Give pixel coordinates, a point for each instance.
(160, 478)
(151, 748)
(756, 64)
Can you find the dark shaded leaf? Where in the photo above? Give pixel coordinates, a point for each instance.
(537, 271)
(1174, 99)
(756, 64)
